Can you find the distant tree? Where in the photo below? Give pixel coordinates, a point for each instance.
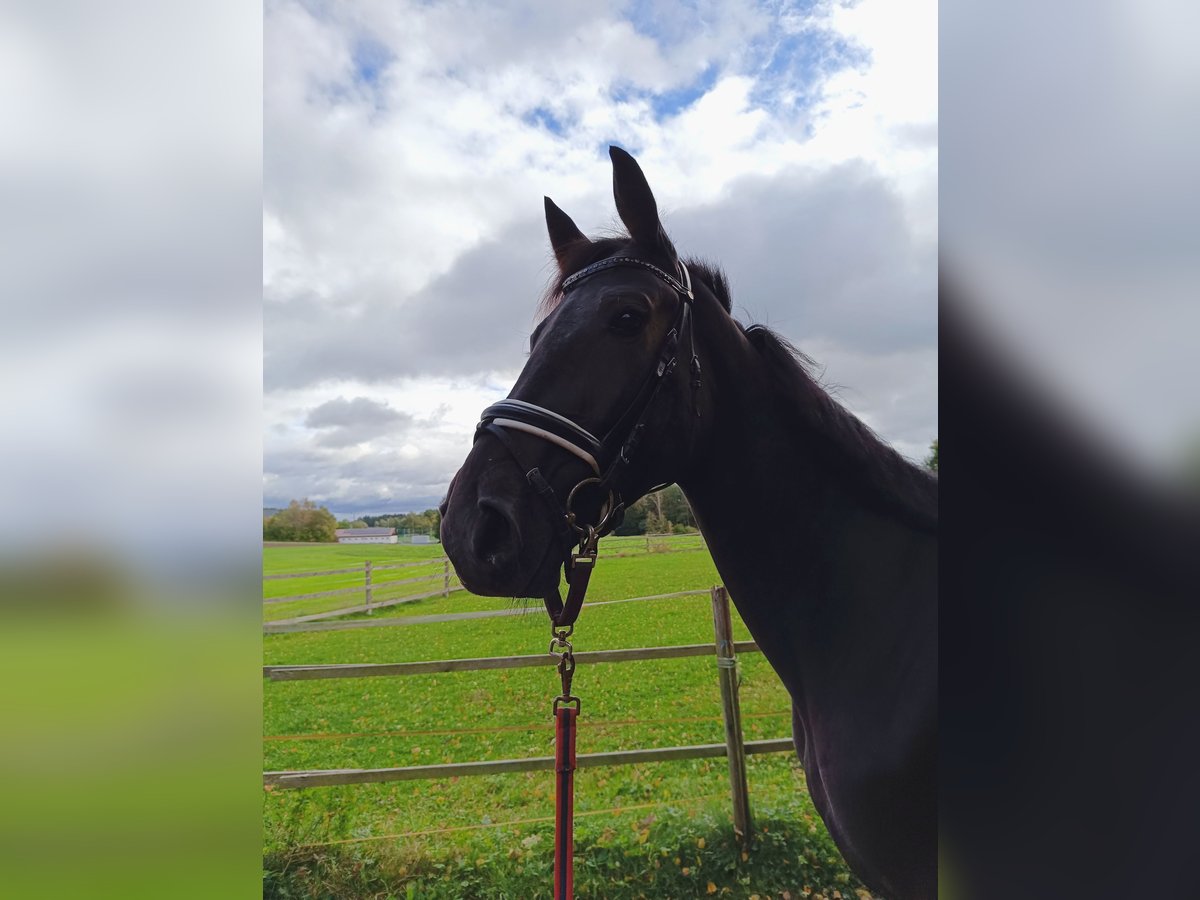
(358, 523)
(301, 521)
(676, 509)
(635, 519)
(663, 512)
(427, 522)
(932, 460)
(418, 523)
(656, 519)
(274, 530)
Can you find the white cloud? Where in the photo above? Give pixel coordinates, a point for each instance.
(403, 243)
(407, 459)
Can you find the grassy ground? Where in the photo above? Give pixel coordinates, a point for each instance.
(653, 830)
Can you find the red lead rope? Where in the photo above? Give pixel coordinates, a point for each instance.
(564, 801)
(566, 711)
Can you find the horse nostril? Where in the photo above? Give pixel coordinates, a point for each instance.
(496, 536)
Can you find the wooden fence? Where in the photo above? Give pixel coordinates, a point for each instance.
(735, 749)
(440, 582)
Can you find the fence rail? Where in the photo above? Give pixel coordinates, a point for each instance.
(329, 777)
(370, 670)
(355, 589)
(412, 565)
(281, 625)
(282, 575)
(446, 617)
(367, 569)
(373, 591)
(371, 588)
(735, 748)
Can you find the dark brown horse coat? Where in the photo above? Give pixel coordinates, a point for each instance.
(825, 537)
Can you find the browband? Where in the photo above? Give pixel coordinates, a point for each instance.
(683, 287)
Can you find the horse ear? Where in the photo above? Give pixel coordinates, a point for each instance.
(635, 202)
(564, 234)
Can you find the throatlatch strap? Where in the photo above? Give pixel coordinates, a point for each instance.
(564, 802)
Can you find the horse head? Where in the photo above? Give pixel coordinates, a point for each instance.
(606, 408)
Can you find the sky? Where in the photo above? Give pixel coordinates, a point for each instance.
(356, 191)
(407, 147)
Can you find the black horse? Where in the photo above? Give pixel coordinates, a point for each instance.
(825, 537)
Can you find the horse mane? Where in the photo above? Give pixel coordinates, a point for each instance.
(850, 449)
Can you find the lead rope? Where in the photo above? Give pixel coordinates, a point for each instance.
(566, 712)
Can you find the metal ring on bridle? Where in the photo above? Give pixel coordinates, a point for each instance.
(605, 510)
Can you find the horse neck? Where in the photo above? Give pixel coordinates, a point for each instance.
(820, 579)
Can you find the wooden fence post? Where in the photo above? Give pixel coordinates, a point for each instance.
(368, 583)
(731, 712)
(446, 578)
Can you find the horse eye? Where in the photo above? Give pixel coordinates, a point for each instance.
(627, 322)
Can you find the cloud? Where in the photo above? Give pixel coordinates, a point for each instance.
(821, 255)
(405, 460)
(471, 319)
(382, 186)
(376, 481)
(346, 423)
(406, 158)
(359, 411)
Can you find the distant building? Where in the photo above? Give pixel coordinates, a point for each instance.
(422, 539)
(366, 535)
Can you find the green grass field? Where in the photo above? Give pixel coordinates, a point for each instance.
(390, 584)
(652, 830)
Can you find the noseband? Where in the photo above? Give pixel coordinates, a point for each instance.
(607, 457)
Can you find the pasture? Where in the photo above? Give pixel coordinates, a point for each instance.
(653, 830)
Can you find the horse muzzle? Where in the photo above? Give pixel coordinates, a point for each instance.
(498, 548)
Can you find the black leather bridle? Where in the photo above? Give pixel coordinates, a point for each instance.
(607, 457)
